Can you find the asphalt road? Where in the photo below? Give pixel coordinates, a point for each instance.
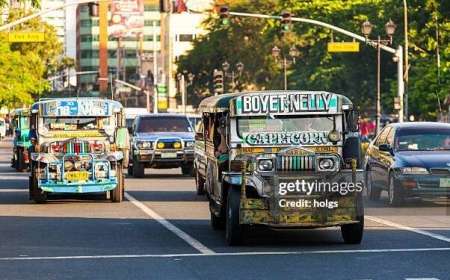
(162, 232)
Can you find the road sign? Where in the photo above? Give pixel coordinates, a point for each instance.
(26, 37)
(343, 47)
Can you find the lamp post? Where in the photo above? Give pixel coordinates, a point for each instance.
(236, 72)
(366, 29)
(290, 58)
(182, 77)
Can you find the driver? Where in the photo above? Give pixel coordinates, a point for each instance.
(446, 143)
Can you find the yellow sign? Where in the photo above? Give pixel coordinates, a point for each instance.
(26, 37)
(343, 47)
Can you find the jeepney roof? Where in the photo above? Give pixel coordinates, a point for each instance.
(223, 102)
(76, 106)
(20, 112)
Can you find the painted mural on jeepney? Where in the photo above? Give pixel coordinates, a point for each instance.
(287, 138)
(286, 103)
(76, 108)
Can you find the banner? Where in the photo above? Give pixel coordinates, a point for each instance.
(127, 18)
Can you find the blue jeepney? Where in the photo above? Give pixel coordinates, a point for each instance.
(79, 145)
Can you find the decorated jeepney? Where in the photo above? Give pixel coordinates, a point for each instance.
(79, 145)
(21, 142)
(283, 159)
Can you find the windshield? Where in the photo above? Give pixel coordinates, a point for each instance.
(164, 124)
(423, 140)
(284, 124)
(72, 124)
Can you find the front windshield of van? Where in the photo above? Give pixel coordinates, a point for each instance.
(285, 124)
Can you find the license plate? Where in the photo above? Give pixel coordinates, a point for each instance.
(76, 176)
(169, 155)
(444, 182)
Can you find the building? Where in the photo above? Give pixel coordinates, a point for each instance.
(124, 54)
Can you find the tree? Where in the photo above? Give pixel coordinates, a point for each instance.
(352, 74)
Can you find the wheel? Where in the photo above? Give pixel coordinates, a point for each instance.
(130, 170)
(20, 161)
(138, 169)
(353, 233)
(373, 192)
(199, 183)
(395, 193)
(217, 223)
(36, 194)
(234, 231)
(117, 193)
(187, 170)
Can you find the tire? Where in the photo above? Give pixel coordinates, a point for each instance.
(187, 170)
(199, 183)
(234, 231)
(395, 193)
(36, 194)
(20, 164)
(130, 170)
(138, 169)
(117, 193)
(373, 193)
(217, 223)
(353, 233)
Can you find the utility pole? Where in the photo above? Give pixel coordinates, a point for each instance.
(406, 77)
(103, 47)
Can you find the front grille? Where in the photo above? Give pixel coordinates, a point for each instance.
(440, 171)
(292, 163)
(76, 147)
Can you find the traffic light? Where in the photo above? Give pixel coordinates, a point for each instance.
(224, 15)
(218, 82)
(286, 21)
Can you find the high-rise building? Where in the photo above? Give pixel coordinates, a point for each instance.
(128, 57)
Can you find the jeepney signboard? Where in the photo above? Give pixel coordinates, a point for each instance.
(286, 103)
(74, 108)
(287, 138)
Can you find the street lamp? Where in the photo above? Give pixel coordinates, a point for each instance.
(236, 72)
(292, 54)
(366, 29)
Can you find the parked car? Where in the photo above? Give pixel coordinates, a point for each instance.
(162, 141)
(409, 160)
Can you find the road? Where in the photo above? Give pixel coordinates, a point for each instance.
(162, 231)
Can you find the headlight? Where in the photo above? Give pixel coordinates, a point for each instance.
(101, 169)
(414, 170)
(144, 145)
(327, 163)
(189, 144)
(160, 145)
(177, 145)
(334, 136)
(265, 165)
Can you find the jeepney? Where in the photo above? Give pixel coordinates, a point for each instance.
(283, 159)
(21, 142)
(79, 145)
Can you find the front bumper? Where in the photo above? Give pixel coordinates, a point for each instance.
(164, 156)
(424, 185)
(320, 208)
(80, 187)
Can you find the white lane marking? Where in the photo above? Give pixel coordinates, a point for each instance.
(407, 228)
(226, 254)
(12, 190)
(421, 278)
(168, 225)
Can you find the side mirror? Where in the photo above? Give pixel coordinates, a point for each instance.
(385, 148)
(352, 121)
(122, 138)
